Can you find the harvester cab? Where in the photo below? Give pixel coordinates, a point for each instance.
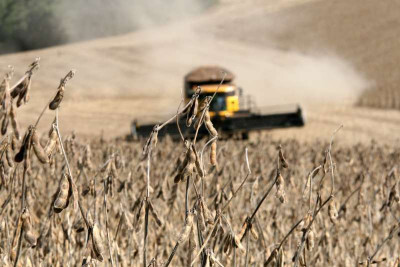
(231, 112)
(225, 102)
(208, 79)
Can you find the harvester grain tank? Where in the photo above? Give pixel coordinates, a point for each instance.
(232, 113)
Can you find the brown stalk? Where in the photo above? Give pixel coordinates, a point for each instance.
(250, 219)
(70, 179)
(159, 127)
(273, 253)
(389, 237)
(219, 214)
(183, 236)
(305, 233)
(330, 159)
(32, 68)
(147, 198)
(317, 210)
(207, 107)
(26, 159)
(107, 226)
(63, 82)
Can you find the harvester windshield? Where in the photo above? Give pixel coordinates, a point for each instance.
(219, 101)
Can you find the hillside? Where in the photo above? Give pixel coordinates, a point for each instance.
(365, 33)
(324, 55)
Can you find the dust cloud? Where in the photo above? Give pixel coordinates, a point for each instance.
(272, 76)
(287, 77)
(89, 19)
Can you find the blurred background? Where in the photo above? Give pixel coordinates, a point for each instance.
(338, 59)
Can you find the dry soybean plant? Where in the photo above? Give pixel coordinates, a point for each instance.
(261, 202)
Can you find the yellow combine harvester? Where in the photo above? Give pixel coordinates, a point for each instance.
(232, 113)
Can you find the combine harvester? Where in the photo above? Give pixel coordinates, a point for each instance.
(233, 114)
